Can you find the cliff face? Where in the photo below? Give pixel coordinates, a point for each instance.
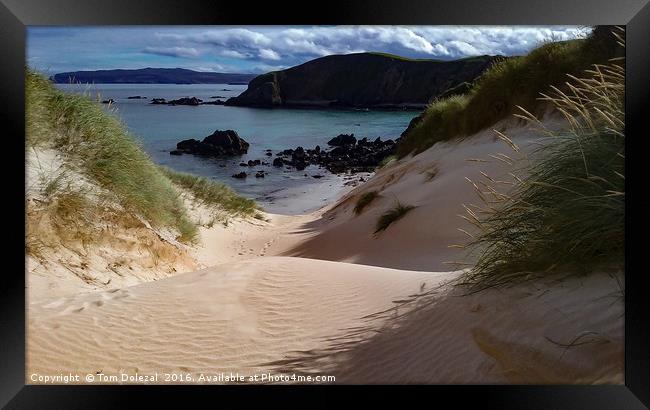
(361, 80)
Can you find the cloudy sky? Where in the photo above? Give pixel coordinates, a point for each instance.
(256, 49)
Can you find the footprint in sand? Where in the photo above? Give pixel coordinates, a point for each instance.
(267, 245)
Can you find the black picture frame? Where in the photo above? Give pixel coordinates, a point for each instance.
(15, 15)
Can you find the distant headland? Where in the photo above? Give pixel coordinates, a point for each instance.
(150, 76)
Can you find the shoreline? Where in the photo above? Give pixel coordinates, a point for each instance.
(312, 197)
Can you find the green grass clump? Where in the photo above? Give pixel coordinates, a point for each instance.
(516, 81)
(568, 215)
(213, 193)
(392, 215)
(365, 200)
(81, 130)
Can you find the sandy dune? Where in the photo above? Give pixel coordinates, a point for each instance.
(300, 294)
(420, 241)
(281, 315)
(234, 317)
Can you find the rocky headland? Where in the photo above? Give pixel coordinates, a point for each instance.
(362, 80)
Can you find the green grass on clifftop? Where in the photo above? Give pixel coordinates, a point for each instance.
(510, 83)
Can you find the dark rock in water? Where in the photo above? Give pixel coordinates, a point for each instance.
(259, 174)
(252, 163)
(227, 141)
(217, 96)
(188, 145)
(175, 152)
(243, 164)
(240, 175)
(342, 139)
(348, 155)
(317, 176)
(185, 101)
(217, 144)
(269, 154)
(109, 101)
(193, 101)
(217, 102)
(298, 155)
(340, 151)
(136, 97)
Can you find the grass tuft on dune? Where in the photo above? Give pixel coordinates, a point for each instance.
(568, 214)
(392, 215)
(516, 81)
(365, 200)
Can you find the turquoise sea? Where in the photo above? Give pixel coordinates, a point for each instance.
(160, 127)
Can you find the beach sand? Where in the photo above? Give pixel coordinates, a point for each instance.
(300, 295)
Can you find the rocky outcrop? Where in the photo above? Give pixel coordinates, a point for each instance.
(361, 80)
(342, 139)
(352, 156)
(185, 101)
(219, 143)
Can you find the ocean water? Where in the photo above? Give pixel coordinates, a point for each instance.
(159, 127)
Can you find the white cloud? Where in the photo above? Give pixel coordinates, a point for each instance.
(232, 54)
(268, 54)
(172, 51)
(220, 68)
(238, 37)
(300, 43)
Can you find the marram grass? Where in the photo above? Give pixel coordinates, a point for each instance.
(365, 200)
(392, 215)
(567, 215)
(211, 193)
(104, 151)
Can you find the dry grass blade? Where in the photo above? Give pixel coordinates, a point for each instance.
(567, 215)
